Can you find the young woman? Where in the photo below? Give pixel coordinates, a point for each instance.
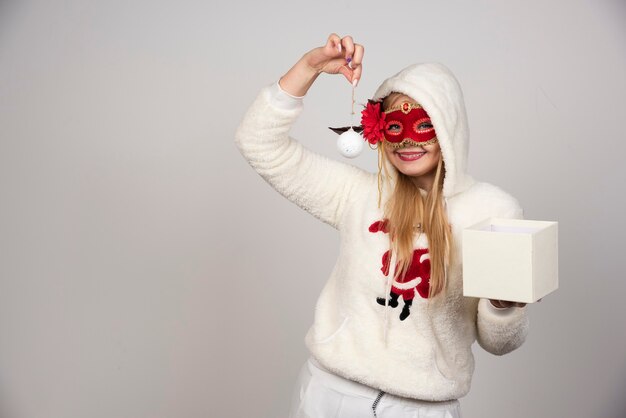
(392, 333)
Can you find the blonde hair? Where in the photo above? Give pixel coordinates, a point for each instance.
(406, 208)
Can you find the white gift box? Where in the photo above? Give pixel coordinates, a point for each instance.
(510, 259)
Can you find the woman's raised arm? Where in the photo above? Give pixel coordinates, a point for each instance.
(318, 184)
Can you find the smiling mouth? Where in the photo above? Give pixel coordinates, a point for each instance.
(410, 155)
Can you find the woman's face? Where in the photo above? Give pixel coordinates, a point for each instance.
(414, 161)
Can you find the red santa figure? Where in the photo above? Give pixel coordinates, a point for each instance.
(415, 280)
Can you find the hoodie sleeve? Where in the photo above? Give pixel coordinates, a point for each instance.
(319, 185)
(502, 330)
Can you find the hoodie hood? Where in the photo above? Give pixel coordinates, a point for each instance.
(433, 86)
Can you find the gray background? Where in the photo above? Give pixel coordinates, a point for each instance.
(147, 271)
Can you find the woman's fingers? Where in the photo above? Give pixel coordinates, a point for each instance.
(340, 55)
(347, 72)
(353, 54)
(348, 47)
(337, 55)
(357, 59)
(496, 303)
(506, 304)
(333, 45)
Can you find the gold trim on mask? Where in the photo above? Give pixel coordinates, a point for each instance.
(408, 142)
(405, 107)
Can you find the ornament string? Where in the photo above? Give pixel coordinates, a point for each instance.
(353, 113)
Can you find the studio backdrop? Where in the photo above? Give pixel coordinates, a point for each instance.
(147, 271)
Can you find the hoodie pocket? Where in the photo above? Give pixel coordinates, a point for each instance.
(333, 335)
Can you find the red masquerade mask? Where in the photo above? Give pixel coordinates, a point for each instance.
(407, 124)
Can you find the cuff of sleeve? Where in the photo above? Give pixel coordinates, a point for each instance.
(497, 312)
(283, 100)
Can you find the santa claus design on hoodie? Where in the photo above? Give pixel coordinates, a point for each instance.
(415, 280)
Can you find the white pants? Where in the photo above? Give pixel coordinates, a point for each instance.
(321, 394)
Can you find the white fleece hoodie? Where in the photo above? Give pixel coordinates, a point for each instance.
(427, 355)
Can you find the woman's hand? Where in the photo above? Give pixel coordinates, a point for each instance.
(338, 56)
(506, 304)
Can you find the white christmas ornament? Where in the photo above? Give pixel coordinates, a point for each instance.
(350, 143)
